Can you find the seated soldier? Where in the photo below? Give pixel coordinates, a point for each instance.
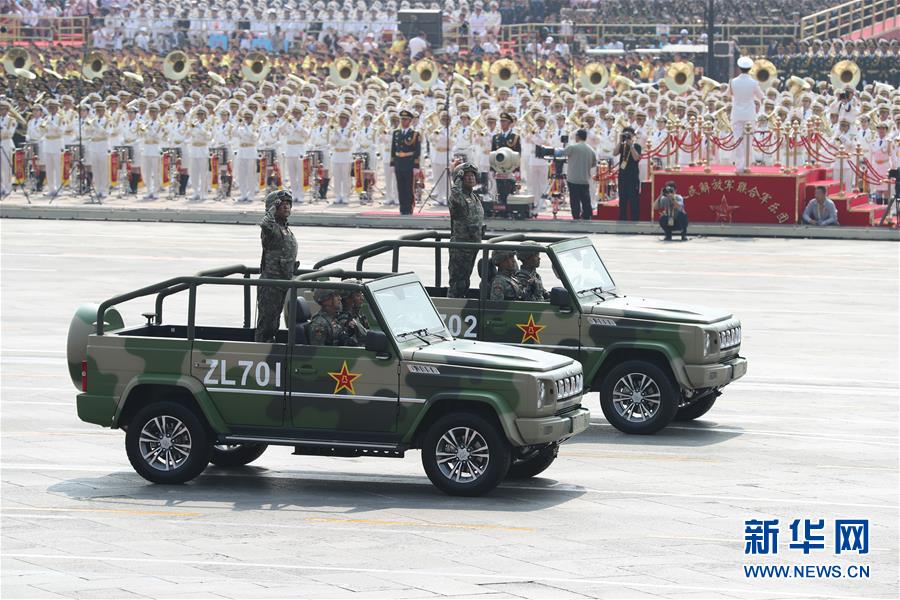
(504, 286)
(354, 324)
(324, 328)
(528, 276)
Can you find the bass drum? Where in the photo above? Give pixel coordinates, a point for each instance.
(83, 324)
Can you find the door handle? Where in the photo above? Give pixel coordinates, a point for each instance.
(495, 322)
(306, 370)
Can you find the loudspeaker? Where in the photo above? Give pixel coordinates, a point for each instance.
(429, 21)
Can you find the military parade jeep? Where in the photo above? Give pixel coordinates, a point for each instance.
(187, 394)
(651, 361)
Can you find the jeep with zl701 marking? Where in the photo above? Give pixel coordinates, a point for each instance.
(652, 361)
(191, 391)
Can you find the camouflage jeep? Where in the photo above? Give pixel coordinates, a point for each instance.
(651, 361)
(187, 393)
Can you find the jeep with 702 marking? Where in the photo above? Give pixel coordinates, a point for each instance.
(189, 394)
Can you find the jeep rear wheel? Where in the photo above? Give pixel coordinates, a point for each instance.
(696, 409)
(638, 397)
(464, 454)
(236, 455)
(166, 442)
(534, 463)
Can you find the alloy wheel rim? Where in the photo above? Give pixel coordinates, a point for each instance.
(462, 455)
(636, 397)
(165, 443)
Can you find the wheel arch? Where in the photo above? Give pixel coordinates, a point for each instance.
(148, 387)
(659, 354)
(487, 404)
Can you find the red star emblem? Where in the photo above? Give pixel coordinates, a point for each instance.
(531, 331)
(343, 379)
(723, 211)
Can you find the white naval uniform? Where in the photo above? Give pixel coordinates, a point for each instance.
(53, 128)
(198, 159)
(245, 160)
(151, 161)
(296, 135)
(341, 142)
(7, 129)
(880, 154)
(744, 90)
(538, 175)
(385, 138)
(440, 160)
(131, 136)
(96, 131)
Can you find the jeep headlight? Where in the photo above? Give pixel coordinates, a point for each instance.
(709, 342)
(542, 393)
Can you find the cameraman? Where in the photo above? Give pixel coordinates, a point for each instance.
(673, 217)
(581, 158)
(629, 153)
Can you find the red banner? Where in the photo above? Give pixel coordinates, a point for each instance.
(358, 178)
(214, 171)
(262, 167)
(114, 169)
(66, 167)
(19, 166)
(166, 167)
(307, 173)
(762, 196)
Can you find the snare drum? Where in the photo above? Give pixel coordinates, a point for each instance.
(222, 153)
(173, 151)
(268, 154)
(315, 157)
(364, 157)
(126, 153)
(74, 150)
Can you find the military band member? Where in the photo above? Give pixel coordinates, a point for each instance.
(385, 142)
(151, 132)
(295, 134)
(198, 157)
(131, 137)
(318, 141)
(245, 157)
(341, 141)
(440, 141)
(881, 157)
(7, 130)
(364, 141)
(506, 138)
(52, 129)
(406, 148)
(538, 168)
(96, 131)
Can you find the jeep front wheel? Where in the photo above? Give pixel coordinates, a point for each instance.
(464, 454)
(534, 463)
(236, 455)
(167, 443)
(638, 397)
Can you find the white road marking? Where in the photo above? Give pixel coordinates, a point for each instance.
(328, 476)
(460, 575)
(28, 270)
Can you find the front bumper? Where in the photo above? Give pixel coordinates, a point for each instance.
(718, 374)
(543, 430)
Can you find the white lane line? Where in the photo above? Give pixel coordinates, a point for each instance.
(796, 434)
(31, 388)
(33, 351)
(35, 403)
(26, 270)
(407, 572)
(345, 477)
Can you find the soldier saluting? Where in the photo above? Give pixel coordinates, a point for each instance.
(505, 138)
(406, 148)
(466, 225)
(279, 255)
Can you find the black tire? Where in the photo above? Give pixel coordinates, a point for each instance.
(236, 455)
(696, 409)
(191, 446)
(652, 417)
(487, 435)
(534, 464)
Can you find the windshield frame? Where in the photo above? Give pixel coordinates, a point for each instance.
(434, 331)
(582, 244)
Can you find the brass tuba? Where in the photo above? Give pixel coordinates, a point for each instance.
(764, 72)
(622, 83)
(176, 65)
(343, 71)
(504, 73)
(16, 58)
(708, 84)
(845, 74)
(680, 77)
(594, 77)
(94, 65)
(797, 85)
(424, 72)
(256, 67)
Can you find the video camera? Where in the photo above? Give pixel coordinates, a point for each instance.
(555, 156)
(668, 189)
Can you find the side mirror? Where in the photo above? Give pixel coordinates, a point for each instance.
(376, 341)
(559, 297)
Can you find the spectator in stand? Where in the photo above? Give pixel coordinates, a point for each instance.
(418, 45)
(820, 210)
(478, 21)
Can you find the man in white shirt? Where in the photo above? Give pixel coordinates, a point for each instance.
(744, 90)
(417, 45)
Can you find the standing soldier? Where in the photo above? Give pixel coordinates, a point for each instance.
(385, 140)
(466, 225)
(245, 157)
(151, 137)
(406, 148)
(96, 130)
(52, 128)
(279, 253)
(296, 134)
(198, 157)
(318, 142)
(364, 141)
(7, 130)
(341, 141)
(440, 158)
(505, 139)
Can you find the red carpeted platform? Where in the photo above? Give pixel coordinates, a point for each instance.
(763, 196)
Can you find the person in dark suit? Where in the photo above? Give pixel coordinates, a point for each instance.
(506, 139)
(406, 148)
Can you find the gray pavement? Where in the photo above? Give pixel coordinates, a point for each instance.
(810, 433)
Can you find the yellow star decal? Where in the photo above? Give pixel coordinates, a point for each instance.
(343, 379)
(531, 331)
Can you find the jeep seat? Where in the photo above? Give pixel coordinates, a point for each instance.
(303, 314)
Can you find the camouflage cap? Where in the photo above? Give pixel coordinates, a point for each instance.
(275, 198)
(321, 295)
(527, 249)
(347, 293)
(498, 256)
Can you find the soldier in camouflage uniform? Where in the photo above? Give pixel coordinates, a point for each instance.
(354, 324)
(505, 286)
(528, 276)
(466, 225)
(325, 329)
(279, 256)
